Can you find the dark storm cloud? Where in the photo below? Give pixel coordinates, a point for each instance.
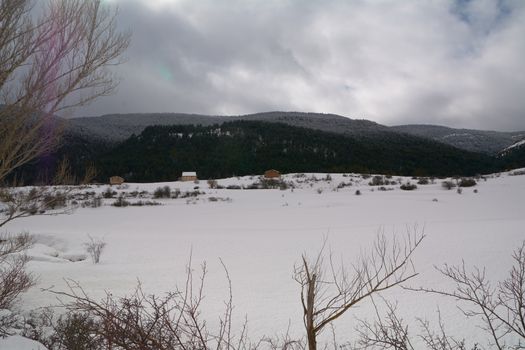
(457, 63)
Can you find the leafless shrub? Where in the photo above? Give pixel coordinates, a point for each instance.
(467, 182)
(162, 192)
(173, 321)
(55, 199)
(8, 321)
(74, 331)
(120, 202)
(379, 180)
(408, 186)
(109, 193)
(20, 203)
(423, 181)
(144, 203)
(191, 194)
(448, 185)
(389, 331)
(94, 202)
(69, 331)
(38, 325)
(219, 199)
(501, 307)
(344, 184)
(14, 279)
(94, 248)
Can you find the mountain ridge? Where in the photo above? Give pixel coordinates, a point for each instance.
(485, 141)
(118, 127)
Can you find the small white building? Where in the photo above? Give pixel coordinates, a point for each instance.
(188, 176)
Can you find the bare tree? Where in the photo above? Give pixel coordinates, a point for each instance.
(501, 307)
(329, 290)
(50, 64)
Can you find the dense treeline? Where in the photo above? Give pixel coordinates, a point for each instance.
(162, 153)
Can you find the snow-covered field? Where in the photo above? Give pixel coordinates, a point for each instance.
(261, 234)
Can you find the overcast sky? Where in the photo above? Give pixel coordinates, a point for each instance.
(456, 63)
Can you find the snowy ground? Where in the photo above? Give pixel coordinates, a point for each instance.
(261, 234)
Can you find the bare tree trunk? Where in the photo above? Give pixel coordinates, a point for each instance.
(310, 325)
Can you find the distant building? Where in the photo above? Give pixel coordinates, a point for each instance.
(272, 174)
(188, 176)
(116, 180)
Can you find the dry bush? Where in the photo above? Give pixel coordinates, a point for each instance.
(120, 202)
(172, 321)
(408, 186)
(162, 192)
(18, 203)
(467, 182)
(13, 276)
(94, 248)
(389, 331)
(501, 307)
(74, 331)
(448, 185)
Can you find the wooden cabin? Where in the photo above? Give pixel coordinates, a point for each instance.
(272, 174)
(116, 180)
(189, 176)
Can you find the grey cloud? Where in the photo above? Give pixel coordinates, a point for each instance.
(444, 62)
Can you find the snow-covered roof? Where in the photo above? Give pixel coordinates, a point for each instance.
(189, 173)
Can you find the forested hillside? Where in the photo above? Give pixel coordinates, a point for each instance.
(161, 153)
